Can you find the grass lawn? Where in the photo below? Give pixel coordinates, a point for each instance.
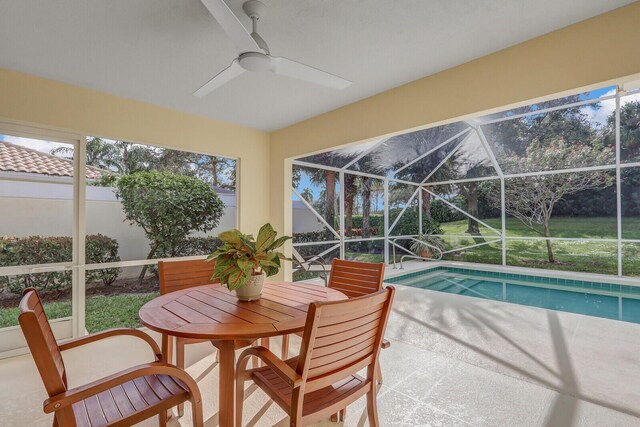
(593, 257)
(598, 227)
(102, 312)
(588, 257)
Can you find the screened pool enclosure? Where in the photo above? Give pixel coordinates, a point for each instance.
(551, 185)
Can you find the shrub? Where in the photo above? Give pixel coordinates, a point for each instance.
(101, 249)
(191, 246)
(35, 250)
(47, 250)
(168, 207)
(309, 236)
(442, 213)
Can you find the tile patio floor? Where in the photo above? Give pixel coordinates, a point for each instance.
(454, 361)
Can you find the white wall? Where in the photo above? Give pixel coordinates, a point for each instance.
(40, 208)
(303, 219)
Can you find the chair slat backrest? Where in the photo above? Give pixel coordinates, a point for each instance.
(343, 337)
(42, 343)
(178, 275)
(354, 278)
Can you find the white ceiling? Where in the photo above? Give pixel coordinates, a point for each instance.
(161, 51)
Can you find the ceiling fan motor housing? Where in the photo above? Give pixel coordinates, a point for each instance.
(254, 61)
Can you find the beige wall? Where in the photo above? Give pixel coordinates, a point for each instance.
(52, 104)
(600, 50)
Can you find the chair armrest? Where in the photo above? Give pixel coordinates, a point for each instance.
(77, 342)
(283, 370)
(77, 394)
(385, 344)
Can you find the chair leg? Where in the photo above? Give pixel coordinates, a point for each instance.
(240, 398)
(255, 361)
(196, 413)
(285, 347)
(372, 408)
(339, 416)
(162, 419)
(378, 374)
(180, 364)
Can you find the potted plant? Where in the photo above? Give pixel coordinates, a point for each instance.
(425, 244)
(242, 262)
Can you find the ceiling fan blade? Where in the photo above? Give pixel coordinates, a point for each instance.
(223, 77)
(296, 70)
(232, 26)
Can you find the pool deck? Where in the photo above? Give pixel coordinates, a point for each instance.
(454, 361)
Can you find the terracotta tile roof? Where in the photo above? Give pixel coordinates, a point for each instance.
(15, 158)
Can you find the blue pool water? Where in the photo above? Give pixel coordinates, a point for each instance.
(611, 301)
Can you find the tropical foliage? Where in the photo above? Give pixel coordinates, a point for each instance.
(168, 207)
(242, 256)
(124, 158)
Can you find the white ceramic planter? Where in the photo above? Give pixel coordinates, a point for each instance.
(252, 290)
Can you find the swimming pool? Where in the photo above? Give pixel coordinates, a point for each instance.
(611, 301)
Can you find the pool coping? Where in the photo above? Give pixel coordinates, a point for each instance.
(520, 271)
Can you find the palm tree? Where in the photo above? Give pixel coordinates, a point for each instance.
(402, 149)
(326, 179)
(307, 194)
(100, 154)
(350, 192)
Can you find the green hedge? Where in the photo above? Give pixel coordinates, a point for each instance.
(191, 246)
(408, 225)
(46, 250)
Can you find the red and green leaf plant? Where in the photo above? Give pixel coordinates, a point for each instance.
(241, 255)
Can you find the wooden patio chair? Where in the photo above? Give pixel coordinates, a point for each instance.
(340, 339)
(353, 279)
(122, 399)
(179, 275)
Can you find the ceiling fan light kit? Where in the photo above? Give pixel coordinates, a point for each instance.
(253, 51)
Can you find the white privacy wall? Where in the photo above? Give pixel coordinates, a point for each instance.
(304, 220)
(45, 209)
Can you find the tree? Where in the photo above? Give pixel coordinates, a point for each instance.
(532, 199)
(307, 194)
(123, 158)
(168, 207)
(400, 150)
(324, 178)
(350, 192)
(629, 131)
(471, 191)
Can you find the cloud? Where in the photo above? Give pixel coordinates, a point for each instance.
(599, 115)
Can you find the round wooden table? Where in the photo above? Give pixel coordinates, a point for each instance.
(214, 313)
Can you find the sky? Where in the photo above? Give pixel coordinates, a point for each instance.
(34, 144)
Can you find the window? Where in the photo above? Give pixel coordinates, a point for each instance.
(44, 221)
(37, 228)
(145, 203)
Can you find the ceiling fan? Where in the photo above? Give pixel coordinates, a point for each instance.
(253, 52)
